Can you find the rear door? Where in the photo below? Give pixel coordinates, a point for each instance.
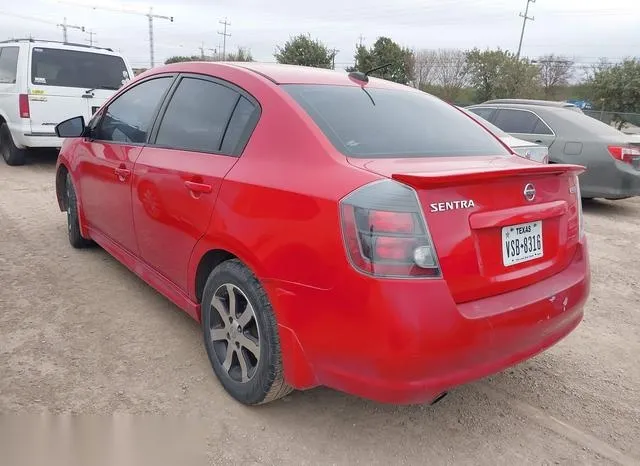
(68, 82)
(199, 137)
(524, 124)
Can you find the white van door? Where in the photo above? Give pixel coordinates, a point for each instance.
(69, 82)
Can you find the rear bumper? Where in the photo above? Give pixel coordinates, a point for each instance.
(625, 183)
(407, 342)
(39, 140)
(23, 136)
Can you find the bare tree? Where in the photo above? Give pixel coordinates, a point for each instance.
(451, 72)
(426, 61)
(555, 72)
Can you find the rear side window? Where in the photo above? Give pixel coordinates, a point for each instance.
(129, 117)
(485, 113)
(8, 64)
(72, 68)
(197, 116)
(370, 122)
(516, 121)
(242, 122)
(541, 128)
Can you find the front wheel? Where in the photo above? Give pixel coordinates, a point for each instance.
(73, 225)
(241, 335)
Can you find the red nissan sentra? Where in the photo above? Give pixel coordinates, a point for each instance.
(328, 228)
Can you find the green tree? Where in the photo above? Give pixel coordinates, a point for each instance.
(618, 87)
(241, 55)
(302, 50)
(500, 74)
(385, 51)
(179, 59)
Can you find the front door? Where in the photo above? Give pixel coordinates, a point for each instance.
(108, 156)
(178, 175)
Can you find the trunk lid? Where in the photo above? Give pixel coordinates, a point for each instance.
(490, 236)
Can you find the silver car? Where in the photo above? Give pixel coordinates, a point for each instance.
(611, 158)
(526, 149)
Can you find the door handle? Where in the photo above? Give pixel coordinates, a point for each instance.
(200, 188)
(122, 173)
(539, 141)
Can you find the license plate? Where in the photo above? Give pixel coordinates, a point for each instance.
(522, 243)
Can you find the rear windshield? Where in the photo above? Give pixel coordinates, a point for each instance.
(71, 68)
(379, 123)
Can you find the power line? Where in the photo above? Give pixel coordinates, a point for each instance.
(224, 38)
(90, 39)
(525, 18)
(150, 16)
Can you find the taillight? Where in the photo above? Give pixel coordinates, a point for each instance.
(23, 104)
(576, 190)
(625, 154)
(385, 232)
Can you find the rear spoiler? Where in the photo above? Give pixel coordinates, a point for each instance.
(458, 177)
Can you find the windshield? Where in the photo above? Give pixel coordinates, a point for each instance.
(369, 122)
(71, 68)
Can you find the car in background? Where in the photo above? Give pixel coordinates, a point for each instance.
(526, 149)
(328, 228)
(544, 103)
(611, 158)
(44, 82)
(581, 104)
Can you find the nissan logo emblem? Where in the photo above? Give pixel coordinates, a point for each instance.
(529, 192)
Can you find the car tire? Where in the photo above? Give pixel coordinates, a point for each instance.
(10, 152)
(238, 322)
(73, 225)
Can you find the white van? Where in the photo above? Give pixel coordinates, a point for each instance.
(43, 83)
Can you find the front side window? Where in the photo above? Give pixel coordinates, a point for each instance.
(129, 117)
(72, 68)
(8, 64)
(516, 121)
(384, 123)
(197, 116)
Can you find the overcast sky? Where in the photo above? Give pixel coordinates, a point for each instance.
(582, 29)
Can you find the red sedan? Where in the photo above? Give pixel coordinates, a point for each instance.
(328, 228)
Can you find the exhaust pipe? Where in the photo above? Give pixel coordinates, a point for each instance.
(438, 398)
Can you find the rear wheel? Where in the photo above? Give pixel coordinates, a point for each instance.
(241, 335)
(73, 225)
(10, 152)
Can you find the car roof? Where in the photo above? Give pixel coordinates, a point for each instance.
(545, 103)
(284, 74)
(59, 45)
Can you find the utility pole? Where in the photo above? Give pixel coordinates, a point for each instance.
(90, 39)
(150, 16)
(66, 26)
(224, 38)
(525, 18)
(360, 40)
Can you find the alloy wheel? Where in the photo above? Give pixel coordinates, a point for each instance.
(234, 333)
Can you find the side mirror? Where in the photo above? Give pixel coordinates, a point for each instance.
(71, 128)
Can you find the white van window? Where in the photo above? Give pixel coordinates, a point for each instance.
(8, 64)
(72, 68)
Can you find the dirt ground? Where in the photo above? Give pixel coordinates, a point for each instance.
(79, 334)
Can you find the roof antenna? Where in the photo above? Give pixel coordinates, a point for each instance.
(364, 77)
